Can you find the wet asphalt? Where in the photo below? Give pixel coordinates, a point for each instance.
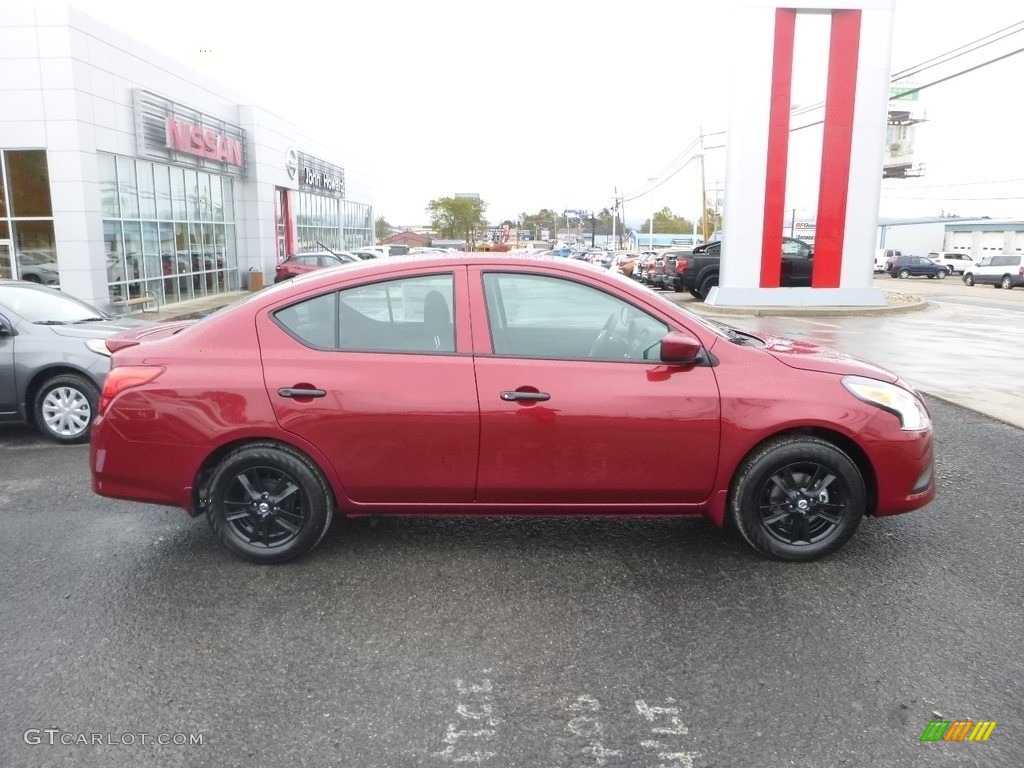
(416, 642)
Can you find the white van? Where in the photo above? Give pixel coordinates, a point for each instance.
(955, 262)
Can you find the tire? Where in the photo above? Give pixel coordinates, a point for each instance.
(707, 284)
(969, 280)
(1007, 282)
(794, 528)
(941, 275)
(949, 270)
(32, 279)
(696, 294)
(296, 502)
(904, 274)
(65, 407)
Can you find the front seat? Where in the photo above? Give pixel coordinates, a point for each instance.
(437, 322)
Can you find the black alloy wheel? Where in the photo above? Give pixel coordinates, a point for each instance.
(798, 498)
(268, 503)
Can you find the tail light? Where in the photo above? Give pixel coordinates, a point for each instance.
(123, 378)
(680, 266)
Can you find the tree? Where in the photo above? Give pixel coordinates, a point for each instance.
(667, 222)
(381, 228)
(457, 216)
(545, 218)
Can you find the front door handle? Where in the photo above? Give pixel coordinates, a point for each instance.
(290, 392)
(539, 396)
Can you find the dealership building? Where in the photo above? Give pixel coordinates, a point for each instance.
(124, 175)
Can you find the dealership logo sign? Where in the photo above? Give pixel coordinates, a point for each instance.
(291, 162)
(193, 139)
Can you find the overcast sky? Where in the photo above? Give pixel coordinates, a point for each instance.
(537, 104)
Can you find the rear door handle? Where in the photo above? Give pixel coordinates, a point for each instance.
(290, 392)
(540, 396)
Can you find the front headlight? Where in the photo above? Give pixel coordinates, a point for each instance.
(99, 346)
(911, 411)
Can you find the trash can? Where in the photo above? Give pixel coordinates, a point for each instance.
(255, 279)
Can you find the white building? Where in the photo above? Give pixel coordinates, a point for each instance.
(123, 172)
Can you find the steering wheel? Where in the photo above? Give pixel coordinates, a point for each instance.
(639, 345)
(604, 335)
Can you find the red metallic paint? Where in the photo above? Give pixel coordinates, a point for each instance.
(778, 148)
(407, 433)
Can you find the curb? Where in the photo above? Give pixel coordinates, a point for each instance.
(905, 305)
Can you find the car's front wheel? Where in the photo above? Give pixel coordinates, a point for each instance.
(941, 274)
(65, 406)
(696, 294)
(268, 503)
(798, 498)
(968, 279)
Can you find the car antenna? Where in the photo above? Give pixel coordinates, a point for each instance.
(327, 249)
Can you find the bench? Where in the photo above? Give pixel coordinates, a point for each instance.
(149, 297)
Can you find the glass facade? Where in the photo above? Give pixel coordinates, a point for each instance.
(29, 251)
(166, 229)
(340, 225)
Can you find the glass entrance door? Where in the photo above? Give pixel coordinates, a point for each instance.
(6, 265)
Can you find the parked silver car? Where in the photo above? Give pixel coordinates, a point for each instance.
(53, 359)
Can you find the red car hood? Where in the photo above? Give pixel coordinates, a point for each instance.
(134, 336)
(812, 357)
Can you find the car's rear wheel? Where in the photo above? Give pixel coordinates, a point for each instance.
(1007, 283)
(904, 274)
(707, 285)
(65, 406)
(269, 504)
(968, 279)
(798, 498)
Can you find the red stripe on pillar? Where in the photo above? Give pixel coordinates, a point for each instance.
(834, 190)
(778, 148)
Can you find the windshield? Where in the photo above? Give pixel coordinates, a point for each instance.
(716, 328)
(46, 306)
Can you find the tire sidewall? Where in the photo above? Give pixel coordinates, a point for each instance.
(313, 486)
(765, 462)
(80, 384)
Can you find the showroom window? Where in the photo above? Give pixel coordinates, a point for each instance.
(167, 230)
(27, 246)
(340, 225)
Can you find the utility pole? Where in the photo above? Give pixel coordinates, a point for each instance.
(703, 191)
(615, 212)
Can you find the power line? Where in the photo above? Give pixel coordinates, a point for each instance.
(929, 85)
(948, 55)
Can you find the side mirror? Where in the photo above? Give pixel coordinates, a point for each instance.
(680, 349)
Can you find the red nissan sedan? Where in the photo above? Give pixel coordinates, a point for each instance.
(499, 386)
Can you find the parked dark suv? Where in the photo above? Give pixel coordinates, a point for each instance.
(916, 266)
